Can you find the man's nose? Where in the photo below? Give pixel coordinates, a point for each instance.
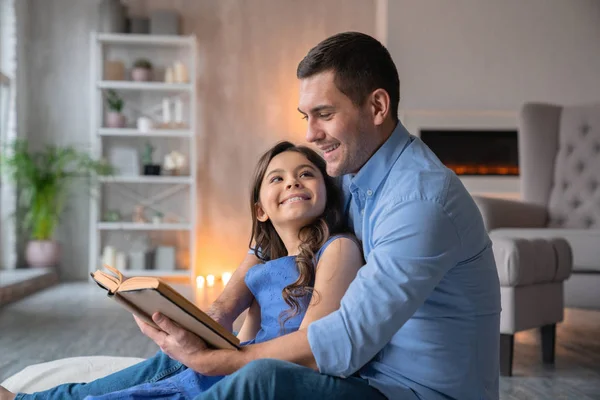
(314, 133)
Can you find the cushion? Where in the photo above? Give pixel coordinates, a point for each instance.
(38, 377)
(523, 262)
(583, 242)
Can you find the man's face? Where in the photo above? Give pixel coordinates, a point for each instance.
(339, 129)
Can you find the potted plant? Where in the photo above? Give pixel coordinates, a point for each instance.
(142, 70)
(149, 167)
(115, 117)
(42, 179)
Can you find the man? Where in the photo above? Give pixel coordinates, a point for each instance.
(421, 319)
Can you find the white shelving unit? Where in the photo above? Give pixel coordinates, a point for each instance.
(131, 45)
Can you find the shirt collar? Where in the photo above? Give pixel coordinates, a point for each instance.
(370, 176)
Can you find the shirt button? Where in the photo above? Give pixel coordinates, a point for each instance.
(369, 192)
(362, 212)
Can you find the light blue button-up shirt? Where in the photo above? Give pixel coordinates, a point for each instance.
(423, 314)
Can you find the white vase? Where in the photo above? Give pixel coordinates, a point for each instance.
(42, 253)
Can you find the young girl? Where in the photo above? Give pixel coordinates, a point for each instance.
(308, 265)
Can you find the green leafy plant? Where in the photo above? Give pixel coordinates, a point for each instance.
(147, 153)
(142, 63)
(115, 102)
(42, 180)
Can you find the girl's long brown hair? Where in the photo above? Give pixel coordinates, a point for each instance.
(269, 246)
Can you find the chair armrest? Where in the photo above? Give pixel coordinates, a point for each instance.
(501, 213)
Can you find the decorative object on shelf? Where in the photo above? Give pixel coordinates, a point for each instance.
(164, 22)
(147, 159)
(176, 73)
(42, 179)
(139, 25)
(114, 70)
(138, 214)
(169, 75)
(157, 218)
(121, 261)
(112, 216)
(125, 159)
(142, 70)
(112, 16)
(180, 73)
(114, 116)
(166, 113)
(179, 113)
(164, 258)
(142, 259)
(174, 163)
(144, 124)
(109, 256)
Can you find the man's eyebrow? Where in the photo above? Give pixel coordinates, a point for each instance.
(317, 109)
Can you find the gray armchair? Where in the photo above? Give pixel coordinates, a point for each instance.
(559, 158)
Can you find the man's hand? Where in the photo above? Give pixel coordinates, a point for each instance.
(6, 395)
(179, 344)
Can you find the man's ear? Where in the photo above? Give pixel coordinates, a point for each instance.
(261, 215)
(380, 105)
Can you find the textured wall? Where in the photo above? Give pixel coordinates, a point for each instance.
(248, 53)
(487, 54)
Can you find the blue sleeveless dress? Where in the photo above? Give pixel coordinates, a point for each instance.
(265, 281)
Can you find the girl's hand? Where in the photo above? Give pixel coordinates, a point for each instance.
(179, 344)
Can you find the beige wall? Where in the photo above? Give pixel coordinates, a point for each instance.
(490, 54)
(248, 53)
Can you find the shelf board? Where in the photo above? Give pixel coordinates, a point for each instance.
(153, 272)
(136, 133)
(147, 179)
(156, 86)
(136, 39)
(133, 226)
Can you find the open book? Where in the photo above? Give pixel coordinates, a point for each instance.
(143, 296)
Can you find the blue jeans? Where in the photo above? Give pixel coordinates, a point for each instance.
(154, 369)
(260, 379)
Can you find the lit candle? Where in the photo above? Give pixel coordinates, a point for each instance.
(210, 280)
(226, 277)
(200, 282)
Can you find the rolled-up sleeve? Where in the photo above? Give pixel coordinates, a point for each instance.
(414, 243)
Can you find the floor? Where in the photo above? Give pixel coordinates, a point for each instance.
(77, 319)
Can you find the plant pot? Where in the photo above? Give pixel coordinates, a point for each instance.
(115, 120)
(141, 74)
(42, 253)
(152, 169)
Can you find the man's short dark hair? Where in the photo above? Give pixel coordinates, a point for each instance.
(361, 65)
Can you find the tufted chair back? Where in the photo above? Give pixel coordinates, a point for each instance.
(559, 158)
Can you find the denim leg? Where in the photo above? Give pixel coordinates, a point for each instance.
(158, 367)
(274, 379)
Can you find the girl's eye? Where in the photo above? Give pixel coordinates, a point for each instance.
(324, 115)
(306, 174)
(275, 179)
(305, 117)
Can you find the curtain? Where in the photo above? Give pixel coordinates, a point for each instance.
(8, 129)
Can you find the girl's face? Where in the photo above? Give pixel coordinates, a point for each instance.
(292, 192)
